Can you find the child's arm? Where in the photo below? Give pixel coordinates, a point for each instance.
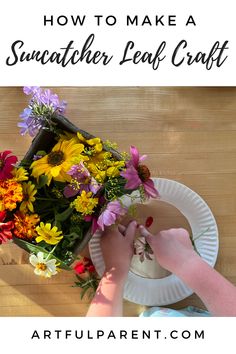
(117, 249)
(173, 250)
(108, 300)
(217, 293)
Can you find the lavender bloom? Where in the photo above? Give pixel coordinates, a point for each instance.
(81, 181)
(26, 113)
(31, 90)
(79, 172)
(94, 186)
(37, 157)
(49, 99)
(61, 107)
(29, 124)
(42, 105)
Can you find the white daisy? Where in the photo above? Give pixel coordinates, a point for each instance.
(43, 267)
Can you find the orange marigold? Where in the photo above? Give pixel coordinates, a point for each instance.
(11, 193)
(25, 225)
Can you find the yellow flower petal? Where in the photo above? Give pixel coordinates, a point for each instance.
(81, 138)
(55, 171)
(38, 238)
(56, 164)
(93, 141)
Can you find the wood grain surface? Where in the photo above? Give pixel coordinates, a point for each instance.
(190, 136)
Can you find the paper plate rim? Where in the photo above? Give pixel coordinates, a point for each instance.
(146, 291)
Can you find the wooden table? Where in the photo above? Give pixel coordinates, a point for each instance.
(189, 135)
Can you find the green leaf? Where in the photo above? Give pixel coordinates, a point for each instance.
(79, 278)
(83, 292)
(60, 185)
(69, 240)
(64, 215)
(41, 153)
(72, 236)
(43, 180)
(25, 163)
(29, 247)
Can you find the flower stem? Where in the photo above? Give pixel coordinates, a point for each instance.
(51, 199)
(51, 252)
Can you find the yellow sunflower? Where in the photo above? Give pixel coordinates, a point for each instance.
(56, 164)
(29, 192)
(49, 234)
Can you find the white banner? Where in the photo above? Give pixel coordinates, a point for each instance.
(106, 335)
(117, 43)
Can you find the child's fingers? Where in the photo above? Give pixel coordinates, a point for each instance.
(122, 229)
(145, 233)
(130, 230)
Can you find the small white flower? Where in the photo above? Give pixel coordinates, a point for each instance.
(43, 267)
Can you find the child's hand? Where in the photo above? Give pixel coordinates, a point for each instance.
(117, 248)
(172, 248)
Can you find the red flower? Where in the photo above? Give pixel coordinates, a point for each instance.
(84, 266)
(7, 160)
(79, 268)
(2, 215)
(91, 268)
(149, 221)
(5, 228)
(87, 261)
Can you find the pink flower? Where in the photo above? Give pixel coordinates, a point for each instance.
(93, 219)
(110, 214)
(7, 160)
(81, 181)
(137, 174)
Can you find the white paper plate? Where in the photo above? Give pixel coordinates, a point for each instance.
(168, 290)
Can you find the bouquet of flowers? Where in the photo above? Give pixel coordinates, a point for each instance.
(68, 185)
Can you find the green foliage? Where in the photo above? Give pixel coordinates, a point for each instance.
(110, 145)
(42, 181)
(88, 285)
(31, 248)
(115, 188)
(61, 217)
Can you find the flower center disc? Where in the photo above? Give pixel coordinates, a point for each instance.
(143, 173)
(55, 158)
(41, 266)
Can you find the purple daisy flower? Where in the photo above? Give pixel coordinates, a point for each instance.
(137, 174)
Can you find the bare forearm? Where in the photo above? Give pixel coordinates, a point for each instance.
(217, 293)
(108, 300)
